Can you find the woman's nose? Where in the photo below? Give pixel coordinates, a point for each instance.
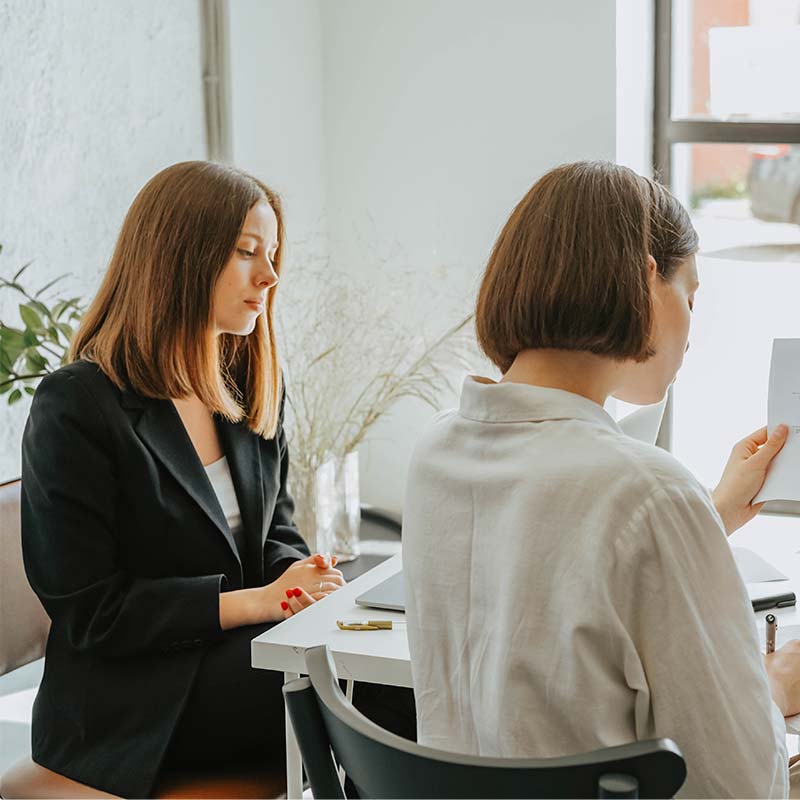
(267, 277)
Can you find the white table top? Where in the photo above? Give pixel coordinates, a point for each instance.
(369, 656)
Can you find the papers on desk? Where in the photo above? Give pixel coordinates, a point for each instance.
(783, 478)
(753, 568)
(644, 423)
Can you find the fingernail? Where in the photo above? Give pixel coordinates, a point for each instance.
(284, 605)
(781, 429)
(289, 593)
(297, 593)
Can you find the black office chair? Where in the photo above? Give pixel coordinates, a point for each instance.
(380, 764)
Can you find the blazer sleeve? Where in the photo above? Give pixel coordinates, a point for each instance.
(284, 543)
(70, 489)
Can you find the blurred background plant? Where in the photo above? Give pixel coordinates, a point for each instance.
(41, 345)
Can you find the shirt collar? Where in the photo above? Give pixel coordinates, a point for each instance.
(486, 401)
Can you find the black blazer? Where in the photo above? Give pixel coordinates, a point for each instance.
(127, 547)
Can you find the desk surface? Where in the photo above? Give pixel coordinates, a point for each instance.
(370, 656)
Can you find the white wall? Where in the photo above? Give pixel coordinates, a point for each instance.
(96, 97)
(277, 108)
(635, 66)
(437, 118)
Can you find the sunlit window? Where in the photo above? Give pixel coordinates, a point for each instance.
(727, 139)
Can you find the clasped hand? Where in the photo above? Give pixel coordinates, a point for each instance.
(307, 581)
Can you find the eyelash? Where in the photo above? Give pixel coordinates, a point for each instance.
(251, 254)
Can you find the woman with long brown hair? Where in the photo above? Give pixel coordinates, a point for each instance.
(156, 520)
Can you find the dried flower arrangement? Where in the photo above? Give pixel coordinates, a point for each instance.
(348, 357)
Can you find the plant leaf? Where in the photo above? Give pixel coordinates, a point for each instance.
(14, 397)
(35, 361)
(48, 285)
(30, 316)
(30, 390)
(40, 307)
(20, 271)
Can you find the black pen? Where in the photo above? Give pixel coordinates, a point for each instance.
(771, 627)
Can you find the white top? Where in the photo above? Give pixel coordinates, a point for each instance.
(571, 588)
(219, 474)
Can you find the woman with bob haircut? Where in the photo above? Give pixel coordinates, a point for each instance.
(590, 597)
(156, 522)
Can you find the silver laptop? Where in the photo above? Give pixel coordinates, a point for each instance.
(389, 594)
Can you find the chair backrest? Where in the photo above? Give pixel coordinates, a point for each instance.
(24, 625)
(381, 764)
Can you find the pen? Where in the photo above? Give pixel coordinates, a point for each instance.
(771, 626)
(365, 625)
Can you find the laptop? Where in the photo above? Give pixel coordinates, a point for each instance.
(389, 594)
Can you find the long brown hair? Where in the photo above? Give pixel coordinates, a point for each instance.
(569, 269)
(150, 326)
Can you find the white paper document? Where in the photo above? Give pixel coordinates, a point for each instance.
(753, 568)
(644, 423)
(783, 477)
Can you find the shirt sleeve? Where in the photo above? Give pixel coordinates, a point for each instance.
(702, 680)
(70, 540)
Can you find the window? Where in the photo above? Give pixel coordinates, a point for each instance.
(727, 141)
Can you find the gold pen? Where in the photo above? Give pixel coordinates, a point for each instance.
(365, 625)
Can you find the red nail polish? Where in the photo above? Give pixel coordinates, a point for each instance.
(297, 593)
(289, 593)
(284, 605)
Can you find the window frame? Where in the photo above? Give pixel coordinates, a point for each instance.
(668, 131)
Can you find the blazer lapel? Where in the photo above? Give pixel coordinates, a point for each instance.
(241, 449)
(161, 429)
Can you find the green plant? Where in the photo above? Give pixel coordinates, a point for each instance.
(41, 346)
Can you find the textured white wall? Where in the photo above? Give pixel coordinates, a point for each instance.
(277, 109)
(95, 97)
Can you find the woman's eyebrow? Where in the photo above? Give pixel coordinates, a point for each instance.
(254, 235)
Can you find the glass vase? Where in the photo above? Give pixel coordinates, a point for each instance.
(337, 507)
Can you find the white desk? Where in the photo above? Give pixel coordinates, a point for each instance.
(368, 656)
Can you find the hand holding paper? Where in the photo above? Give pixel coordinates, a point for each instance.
(783, 477)
(744, 475)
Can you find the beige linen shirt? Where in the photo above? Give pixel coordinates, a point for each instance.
(571, 588)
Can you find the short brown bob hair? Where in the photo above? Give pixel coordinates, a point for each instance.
(150, 326)
(569, 269)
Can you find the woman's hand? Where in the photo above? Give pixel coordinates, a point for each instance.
(744, 476)
(305, 582)
(783, 672)
(301, 584)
